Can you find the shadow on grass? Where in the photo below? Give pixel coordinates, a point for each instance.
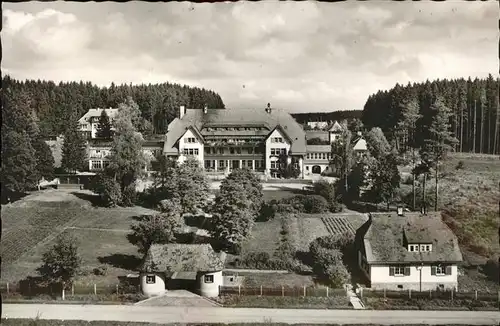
(11, 197)
(199, 221)
(94, 199)
(35, 286)
(128, 262)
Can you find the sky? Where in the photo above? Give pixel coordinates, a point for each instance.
(298, 56)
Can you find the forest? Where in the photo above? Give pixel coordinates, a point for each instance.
(327, 116)
(56, 104)
(474, 106)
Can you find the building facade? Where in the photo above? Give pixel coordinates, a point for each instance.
(408, 251)
(262, 140)
(89, 122)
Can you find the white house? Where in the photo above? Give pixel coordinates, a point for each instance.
(163, 261)
(408, 251)
(89, 122)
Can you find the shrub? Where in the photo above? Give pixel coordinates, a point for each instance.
(460, 165)
(107, 188)
(101, 270)
(309, 204)
(267, 211)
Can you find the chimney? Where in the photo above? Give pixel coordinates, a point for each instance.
(359, 133)
(268, 109)
(182, 111)
(205, 109)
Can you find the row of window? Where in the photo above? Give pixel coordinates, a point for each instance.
(419, 248)
(278, 151)
(277, 140)
(191, 151)
(190, 140)
(233, 129)
(319, 156)
(210, 164)
(438, 270)
(98, 165)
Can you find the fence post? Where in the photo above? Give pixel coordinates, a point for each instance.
(282, 291)
(239, 290)
(95, 289)
(409, 294)
(430, 294)
(117, 289)
(8, 288)
(475, 294)
(384, 293)
(261, 290)
(72, 289)
(63, 296)
(452, 294)
(304, 290)
(327, 292)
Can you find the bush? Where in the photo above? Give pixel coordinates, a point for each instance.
(107, 188)
(460, 165)
(267, 211)
(101, 270)
(309, 204)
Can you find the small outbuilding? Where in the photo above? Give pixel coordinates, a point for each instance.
(164, 260)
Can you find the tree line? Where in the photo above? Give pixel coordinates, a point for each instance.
(303, 118)
(56, 104)
(474, 112)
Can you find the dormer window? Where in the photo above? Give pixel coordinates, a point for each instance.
(419, 247)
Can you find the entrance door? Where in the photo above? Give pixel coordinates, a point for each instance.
(235, 164)
(316, 169)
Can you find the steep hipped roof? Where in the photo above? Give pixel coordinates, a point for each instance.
(321, 134)
(359, 144)
(176, 257)
(319, 148)
(97, 113)
(229, 117)
(383, 238)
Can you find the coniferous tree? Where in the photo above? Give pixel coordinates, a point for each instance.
(74, 149)
(104, 127)
(19, 171)
(441, 140)
(44, 159)
(410, 116)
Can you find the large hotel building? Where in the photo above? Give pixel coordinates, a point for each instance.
(225, 139)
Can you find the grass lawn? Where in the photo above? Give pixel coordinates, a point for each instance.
(265, 237)
(276, 280)
(427, 304)
(339, 302)
(31, 225)
(305, 229)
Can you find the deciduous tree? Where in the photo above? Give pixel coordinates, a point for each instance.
(154, 229)
(61, 262)
(232, 218)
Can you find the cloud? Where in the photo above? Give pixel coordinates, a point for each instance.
(302, 56)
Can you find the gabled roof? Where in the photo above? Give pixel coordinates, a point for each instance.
(232, 117)
(282, 131)
(97, 113)
(176, 257)
(336, 127)
(359, 144)
(382, 239)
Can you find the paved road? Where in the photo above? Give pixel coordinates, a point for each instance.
(244, 315)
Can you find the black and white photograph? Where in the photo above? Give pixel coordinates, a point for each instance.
(250, 163)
